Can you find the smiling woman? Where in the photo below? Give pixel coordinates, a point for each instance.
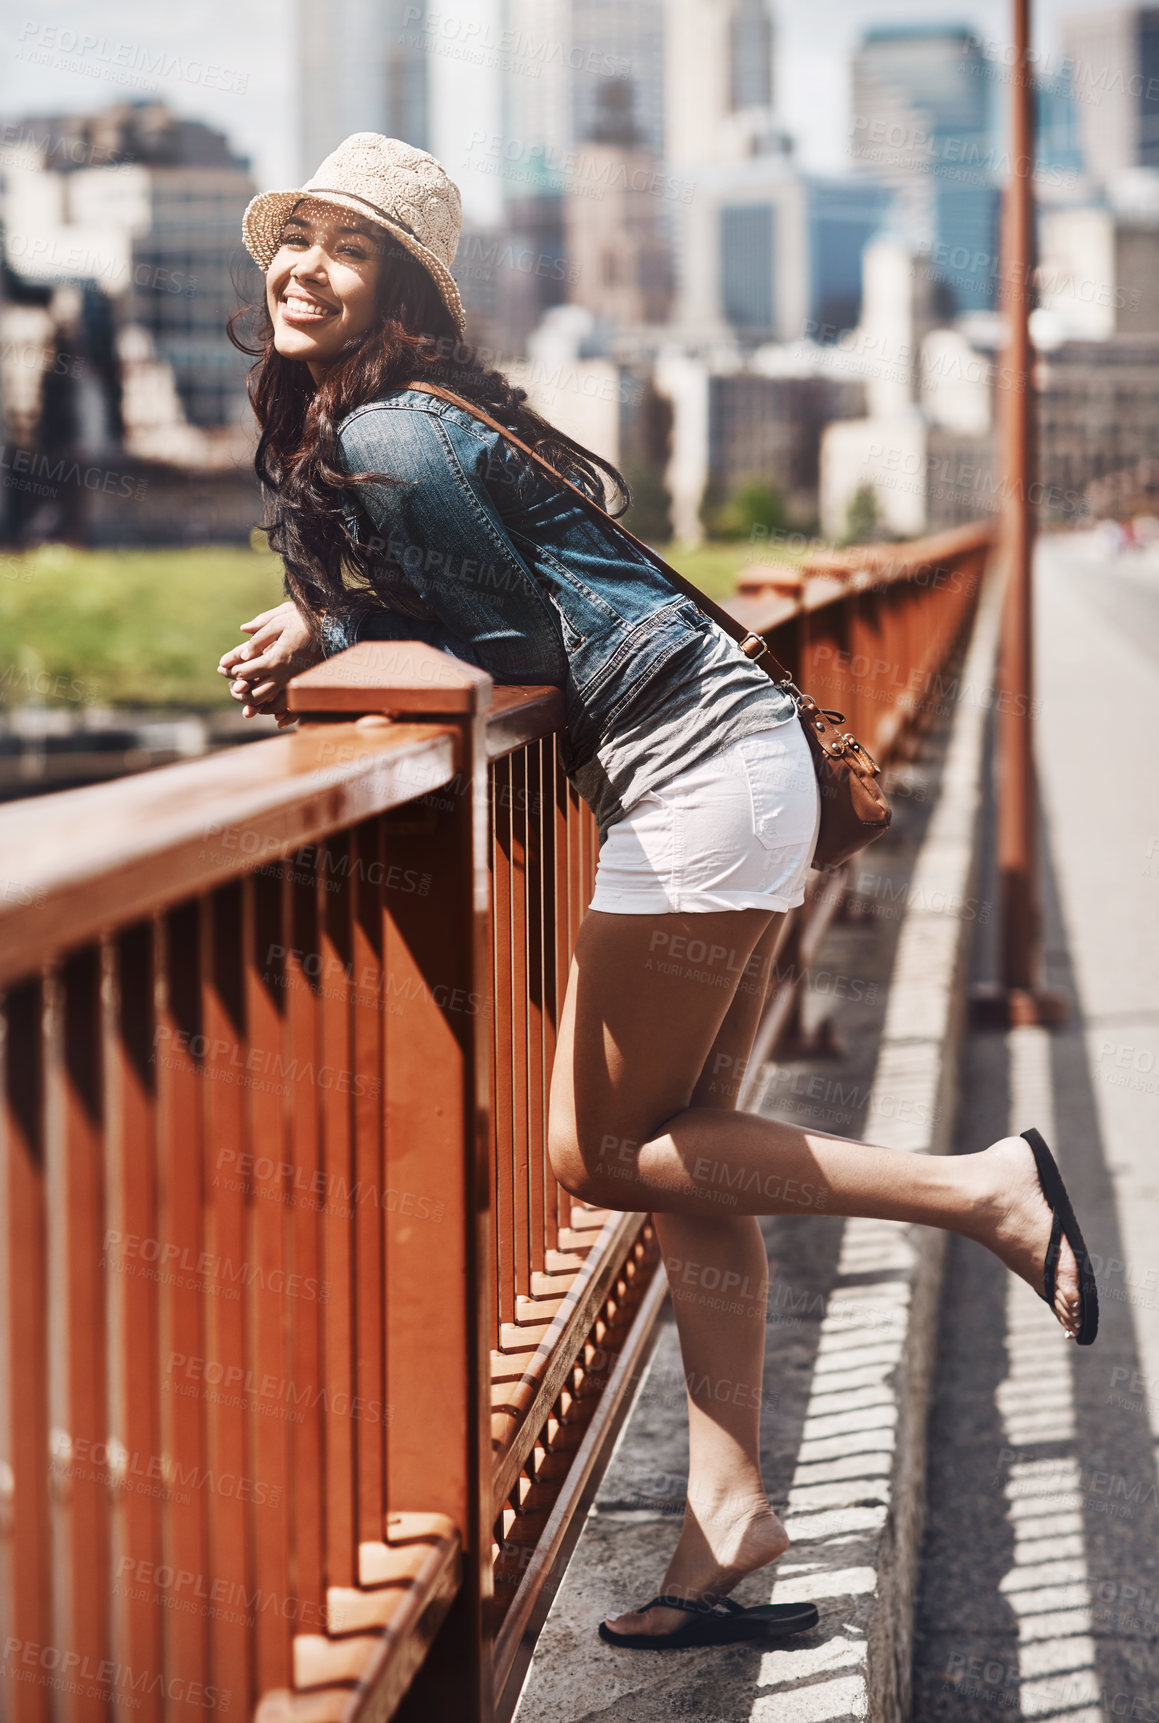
(356, 304)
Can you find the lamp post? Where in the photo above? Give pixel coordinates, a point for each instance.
(1018, 997)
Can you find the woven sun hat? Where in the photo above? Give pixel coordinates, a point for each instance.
(384, 180)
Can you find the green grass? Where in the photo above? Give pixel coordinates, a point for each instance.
(714, 566)
(147, 627)
(127, 627)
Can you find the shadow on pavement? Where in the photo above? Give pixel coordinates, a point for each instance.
(1039, 1587)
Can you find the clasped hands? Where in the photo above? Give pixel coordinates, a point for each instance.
(280, 646)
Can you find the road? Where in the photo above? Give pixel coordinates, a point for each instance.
(1039, 1591)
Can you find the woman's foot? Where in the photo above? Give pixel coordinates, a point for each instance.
(1020, 1222)
(717, 1548)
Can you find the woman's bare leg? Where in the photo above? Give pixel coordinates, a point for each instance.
(718, 1275)
(632, 1125)
(646, 998)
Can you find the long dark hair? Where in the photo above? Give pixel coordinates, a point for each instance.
(415, 336)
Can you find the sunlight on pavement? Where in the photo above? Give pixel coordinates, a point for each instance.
(841, 1486)
(1048, 1588)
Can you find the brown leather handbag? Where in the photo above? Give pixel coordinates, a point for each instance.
(853, 809)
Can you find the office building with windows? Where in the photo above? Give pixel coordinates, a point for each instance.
(1112, 61)
(923, 123)
(772, 254)
(363, 66)
(153, 227)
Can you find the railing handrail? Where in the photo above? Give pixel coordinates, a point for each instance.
(153, 839)
(771, 594)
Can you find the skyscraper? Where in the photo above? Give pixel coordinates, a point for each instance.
(620, 41)
(1113, 61)
(719, 82)
(152, 233)
(922, 122)
(363, 66)
(765, 252)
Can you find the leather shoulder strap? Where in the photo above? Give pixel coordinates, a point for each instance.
(750, 644)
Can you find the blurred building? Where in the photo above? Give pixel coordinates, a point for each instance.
(1097, 274)
(884, 451)
(617, 239)
(1059, 160)
(1098, 330)
(155, 232)
(537, 108)
(768, 253)
(719, 82)
(922, 124)
(616, 43)
(767, 430)
(1113, 59)
(510, 274)
(763, 251)
(1098, 421)
(123, 262)
(363, 66)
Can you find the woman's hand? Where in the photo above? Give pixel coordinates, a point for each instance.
(280, 645)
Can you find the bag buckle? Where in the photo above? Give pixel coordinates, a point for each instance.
(852, 742)
(762, 646)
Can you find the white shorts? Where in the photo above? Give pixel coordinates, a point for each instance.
(736, 831)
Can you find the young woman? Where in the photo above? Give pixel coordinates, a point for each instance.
(399, 515)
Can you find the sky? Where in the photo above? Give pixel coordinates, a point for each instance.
(230, 63)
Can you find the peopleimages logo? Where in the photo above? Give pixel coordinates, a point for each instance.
(70, 1671)
(119, 61)
(29, 466)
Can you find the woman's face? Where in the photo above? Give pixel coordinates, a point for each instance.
(321, 288)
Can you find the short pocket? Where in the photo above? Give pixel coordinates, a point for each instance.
(782, 783)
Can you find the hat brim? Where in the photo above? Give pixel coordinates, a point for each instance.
(266, 214)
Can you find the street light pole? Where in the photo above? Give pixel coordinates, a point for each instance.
(1018, 997)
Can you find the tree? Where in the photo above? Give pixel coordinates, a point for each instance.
(649, 515)
(862, 517)
(753, 503)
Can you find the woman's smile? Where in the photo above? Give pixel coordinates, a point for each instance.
(298, 306)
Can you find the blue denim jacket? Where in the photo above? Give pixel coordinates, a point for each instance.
(482, 556)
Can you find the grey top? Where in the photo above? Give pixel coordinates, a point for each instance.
(677, 722)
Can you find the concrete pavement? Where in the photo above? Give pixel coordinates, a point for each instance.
(1039, 1590)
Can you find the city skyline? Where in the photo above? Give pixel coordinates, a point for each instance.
(246, 86)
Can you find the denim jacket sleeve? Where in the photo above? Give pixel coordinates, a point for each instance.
(442, 533)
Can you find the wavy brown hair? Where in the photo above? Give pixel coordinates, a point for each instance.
(297, 460)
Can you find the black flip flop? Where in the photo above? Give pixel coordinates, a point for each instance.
(1065, 1226)
(717, 1621)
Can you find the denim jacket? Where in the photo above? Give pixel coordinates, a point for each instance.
(482, 556)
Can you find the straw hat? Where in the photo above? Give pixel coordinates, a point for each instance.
(386, 181)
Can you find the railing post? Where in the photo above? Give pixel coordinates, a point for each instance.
(1019, 997)
(437, 1020)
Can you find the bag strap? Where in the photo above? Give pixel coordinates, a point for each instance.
(750, 644)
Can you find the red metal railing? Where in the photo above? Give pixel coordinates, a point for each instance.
(306, 1361)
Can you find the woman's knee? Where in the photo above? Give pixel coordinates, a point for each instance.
(582, 1171)
(572, 1172)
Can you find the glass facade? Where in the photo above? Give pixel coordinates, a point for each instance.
(1148, 50)
(843, 218)
(750, 44)
(929, 87)
(747, 236)
(189, 274)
